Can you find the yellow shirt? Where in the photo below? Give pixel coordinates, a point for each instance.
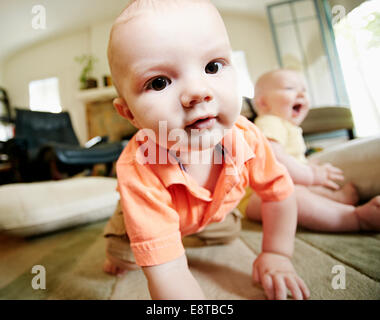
(285, 133)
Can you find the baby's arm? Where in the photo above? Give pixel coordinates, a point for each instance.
(307, 175)
(172, 281)
(273, 268)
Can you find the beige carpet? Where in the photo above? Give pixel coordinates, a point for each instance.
(73, 262)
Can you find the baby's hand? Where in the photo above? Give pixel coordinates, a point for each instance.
(326, 175)
(276, 274)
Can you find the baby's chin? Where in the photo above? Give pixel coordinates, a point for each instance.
(298, 117)
(296, 121)
(201, 140)
(193, 140)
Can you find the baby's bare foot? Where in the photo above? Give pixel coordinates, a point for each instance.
(110, 268)
(369, 215)
(115, 268)
(349, 194)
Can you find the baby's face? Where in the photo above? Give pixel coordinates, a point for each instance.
(177, 68)
(286, 96)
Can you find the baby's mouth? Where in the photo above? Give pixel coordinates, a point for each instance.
(204, 123)
(297, 109)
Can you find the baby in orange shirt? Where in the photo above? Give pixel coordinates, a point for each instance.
(189, 164)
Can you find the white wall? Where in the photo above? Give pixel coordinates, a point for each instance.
(99, 35)
(56, 58)
(252, 35)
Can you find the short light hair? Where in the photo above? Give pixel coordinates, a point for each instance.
(133, 9)
(265, 80)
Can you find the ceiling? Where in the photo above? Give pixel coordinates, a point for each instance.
(63, 17)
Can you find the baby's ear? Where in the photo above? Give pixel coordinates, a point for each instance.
(123, 109)
(260, 104)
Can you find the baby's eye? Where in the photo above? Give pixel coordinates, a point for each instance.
(159, 83)
(213, 67)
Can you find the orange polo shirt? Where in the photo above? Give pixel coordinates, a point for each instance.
(162, 203)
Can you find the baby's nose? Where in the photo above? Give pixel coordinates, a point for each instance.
(194, 94)
(302, 92)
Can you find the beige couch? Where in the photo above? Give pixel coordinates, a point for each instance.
(360, 161)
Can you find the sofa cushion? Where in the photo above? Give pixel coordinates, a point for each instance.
(28, 209)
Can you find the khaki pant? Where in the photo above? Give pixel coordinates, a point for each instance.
(118, 246)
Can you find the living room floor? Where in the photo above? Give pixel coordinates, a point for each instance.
(73, 261)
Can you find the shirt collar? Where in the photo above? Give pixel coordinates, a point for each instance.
(233, 147)
(238, 151)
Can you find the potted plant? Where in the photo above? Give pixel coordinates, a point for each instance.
(86, 80)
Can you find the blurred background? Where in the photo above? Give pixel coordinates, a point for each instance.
(53, 59)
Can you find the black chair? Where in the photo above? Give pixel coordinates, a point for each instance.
(5, 126)
(45, 147)
(251, 113)
(5, 108)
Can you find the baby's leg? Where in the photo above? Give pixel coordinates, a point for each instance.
(119, 256)
(222, 232)
(315, 212)
(369, 214)
(319, 213)
(347, 194)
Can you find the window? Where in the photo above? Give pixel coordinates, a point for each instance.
(44, 95)
(244, 79)
(304, 42)
(358, 43)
